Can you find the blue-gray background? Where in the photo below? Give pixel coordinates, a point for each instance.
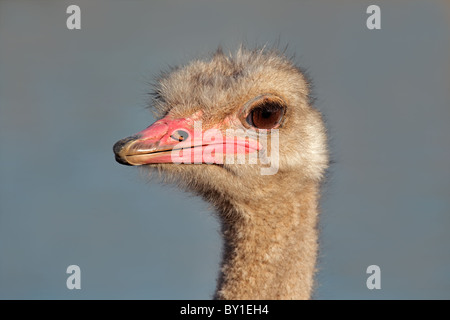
(67, 96)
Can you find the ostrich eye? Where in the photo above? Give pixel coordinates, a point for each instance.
(266, 115)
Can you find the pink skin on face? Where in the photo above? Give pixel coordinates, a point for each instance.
(179, 140)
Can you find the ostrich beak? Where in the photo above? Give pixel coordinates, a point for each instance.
(180, 141)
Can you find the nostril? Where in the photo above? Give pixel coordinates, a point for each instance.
(179, 135)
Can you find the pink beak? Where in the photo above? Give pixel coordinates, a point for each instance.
(180, 141)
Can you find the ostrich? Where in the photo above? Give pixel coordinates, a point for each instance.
(268, 221)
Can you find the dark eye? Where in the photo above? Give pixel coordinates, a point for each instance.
(266, 115)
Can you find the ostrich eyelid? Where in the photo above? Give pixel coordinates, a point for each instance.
(258, 102)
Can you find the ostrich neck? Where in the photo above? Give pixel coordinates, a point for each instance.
(270, 249)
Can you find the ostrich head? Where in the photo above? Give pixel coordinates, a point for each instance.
(218, 112)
